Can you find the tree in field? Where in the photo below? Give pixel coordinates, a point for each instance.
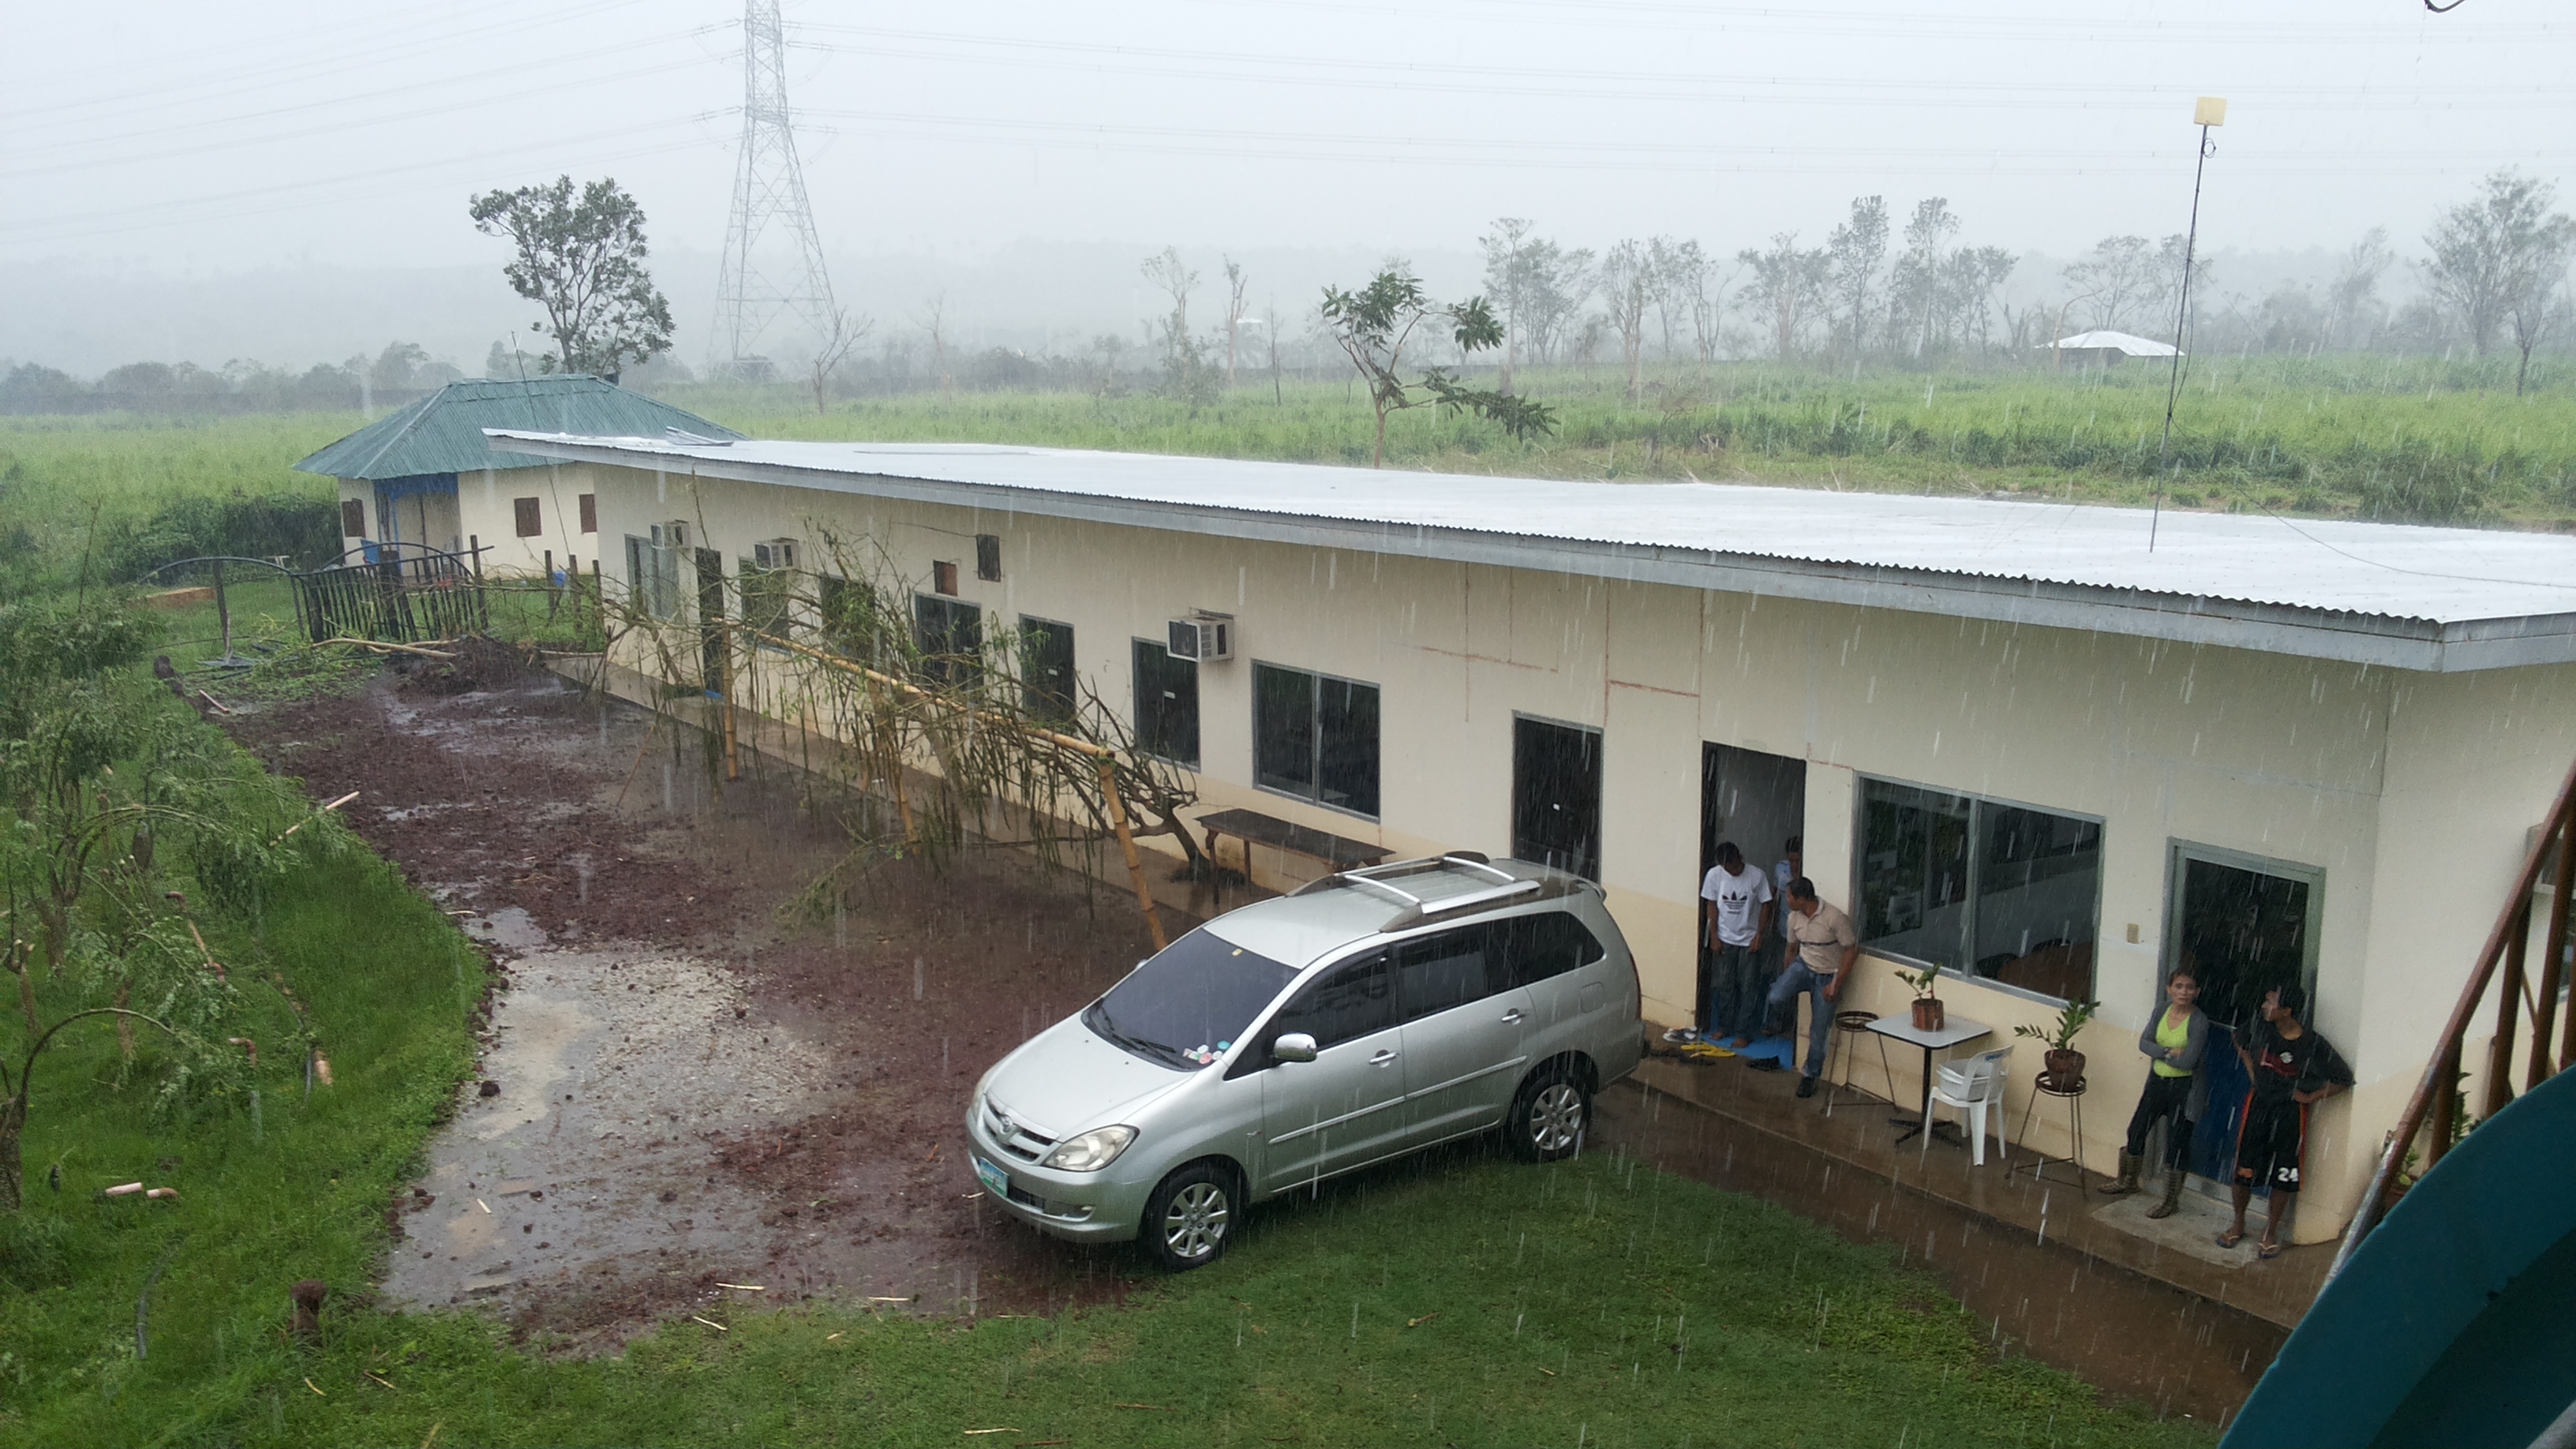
(1186, 373)
(1374, 325)
(841, 334)
(2126, 280)
(582, 259)
(1855, 250)
(1235, 282)
(1558, 283)
(1786, 289)
(2490, 253)
(1508, 262)
(1973, 275)
(1625, 276)
(1922, 277)
(2354, 294)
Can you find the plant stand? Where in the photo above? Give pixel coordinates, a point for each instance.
(2070, 1091)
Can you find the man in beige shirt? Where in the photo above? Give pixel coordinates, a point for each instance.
(1822, 948)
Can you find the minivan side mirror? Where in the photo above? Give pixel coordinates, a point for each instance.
(1295, 1046)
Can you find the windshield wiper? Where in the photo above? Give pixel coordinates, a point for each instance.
(1153, 1051)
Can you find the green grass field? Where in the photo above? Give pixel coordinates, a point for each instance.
(2358, 436)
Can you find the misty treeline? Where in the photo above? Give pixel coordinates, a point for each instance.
(1889, 286)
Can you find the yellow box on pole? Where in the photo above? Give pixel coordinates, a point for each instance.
(2209, 111)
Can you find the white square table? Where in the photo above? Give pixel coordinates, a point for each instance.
(1955, 1031)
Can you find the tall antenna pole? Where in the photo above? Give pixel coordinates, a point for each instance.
(2207, 112)
(758, 283)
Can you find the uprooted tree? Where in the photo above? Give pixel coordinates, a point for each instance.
(106, 790)
(1375, 324)
(943, 736)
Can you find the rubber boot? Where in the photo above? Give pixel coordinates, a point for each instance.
(2173, 1195)
(2128, 1181)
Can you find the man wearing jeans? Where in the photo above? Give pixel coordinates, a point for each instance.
(1737, 901)
(1822, 948)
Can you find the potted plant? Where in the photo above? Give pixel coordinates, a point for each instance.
(1927, 1007)
(2065, 1063)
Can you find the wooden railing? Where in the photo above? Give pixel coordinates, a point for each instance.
(2431, 1122)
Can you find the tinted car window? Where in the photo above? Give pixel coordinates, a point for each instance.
(1194, 997)
(1544, 945)
(1349, 1002)
(1448, 970)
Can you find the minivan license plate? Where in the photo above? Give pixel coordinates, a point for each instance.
(993, 1178)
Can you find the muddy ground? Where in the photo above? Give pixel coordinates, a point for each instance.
(689, 1088)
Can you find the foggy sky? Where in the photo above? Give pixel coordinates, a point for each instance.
(274, 136)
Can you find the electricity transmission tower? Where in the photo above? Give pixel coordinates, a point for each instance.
(762, 276)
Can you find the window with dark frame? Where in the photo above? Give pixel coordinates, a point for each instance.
(950, 635)
(1046, 669)
(988, 557)
(1167, 704)
(353, 518)
(530, 518)
(767, 598)
(1315, 736)
(1991, 889)
(589, 513)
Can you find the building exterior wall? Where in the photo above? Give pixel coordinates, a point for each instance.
(482, 513)
(2380, 781)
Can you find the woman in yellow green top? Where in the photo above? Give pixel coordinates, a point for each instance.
(2176, 1091)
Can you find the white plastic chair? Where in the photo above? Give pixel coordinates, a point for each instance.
(1976, 1087)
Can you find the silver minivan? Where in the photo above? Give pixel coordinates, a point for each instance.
(1371, 1013)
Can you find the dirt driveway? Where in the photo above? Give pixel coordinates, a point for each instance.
(687, 1092)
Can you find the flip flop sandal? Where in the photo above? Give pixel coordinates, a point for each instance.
(2267, 1250)
(2233, 1237)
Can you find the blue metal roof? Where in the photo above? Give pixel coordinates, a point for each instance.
(443, 433)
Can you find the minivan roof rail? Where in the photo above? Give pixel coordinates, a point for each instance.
(1412, 910)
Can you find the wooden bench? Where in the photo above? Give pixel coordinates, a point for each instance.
(1253, 828)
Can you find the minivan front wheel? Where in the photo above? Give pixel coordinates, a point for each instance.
(1189, 1215)
(1549, 1116)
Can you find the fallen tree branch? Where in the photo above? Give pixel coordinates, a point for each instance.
(382, 647)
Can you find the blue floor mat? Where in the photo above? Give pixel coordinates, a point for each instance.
(1777, 1048)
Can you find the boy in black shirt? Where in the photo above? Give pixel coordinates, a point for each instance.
(2293, 1069)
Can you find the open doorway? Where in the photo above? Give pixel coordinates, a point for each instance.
(1556, 795)
(1756, 800)
(2246, 924)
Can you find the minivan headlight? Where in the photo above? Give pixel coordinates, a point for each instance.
(1091, 1151)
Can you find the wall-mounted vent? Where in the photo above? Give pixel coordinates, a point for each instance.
(777, 553)
(1202, 636)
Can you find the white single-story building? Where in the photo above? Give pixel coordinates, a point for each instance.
(2103, 347)
(2019, 740)
(421, 477)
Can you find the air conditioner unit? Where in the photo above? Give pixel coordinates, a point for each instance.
(1203, 636)
(777, 553)
(674, 534)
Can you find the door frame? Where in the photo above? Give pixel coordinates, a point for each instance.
(2179, 852)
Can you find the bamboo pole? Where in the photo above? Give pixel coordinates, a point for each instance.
(2553, 956)
(1127, 845)
(2508, 1000)
(733, 755)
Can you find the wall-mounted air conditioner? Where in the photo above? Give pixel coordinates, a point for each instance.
(1202, 636)
(674, 534)
(777, 553)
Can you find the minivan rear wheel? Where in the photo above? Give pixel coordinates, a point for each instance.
(1190, 1215)
(1549, 1115)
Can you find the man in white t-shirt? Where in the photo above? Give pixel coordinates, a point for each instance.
(1736, 902)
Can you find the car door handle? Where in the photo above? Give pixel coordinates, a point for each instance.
(1382, 1058)
(1512, 1017)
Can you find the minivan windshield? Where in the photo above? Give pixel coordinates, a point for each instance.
(1186, 1005)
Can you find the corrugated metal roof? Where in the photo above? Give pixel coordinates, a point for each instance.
(2408, 596)
(443, 432)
